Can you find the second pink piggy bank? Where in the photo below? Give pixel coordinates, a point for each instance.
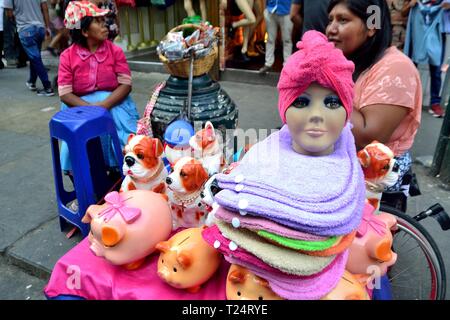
(126, 229)
(371, 251)
(186, 260)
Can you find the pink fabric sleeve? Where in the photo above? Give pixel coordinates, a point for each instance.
(124, 79)
(65, 78)
(394, 81)
(65, 89)
(121, 67)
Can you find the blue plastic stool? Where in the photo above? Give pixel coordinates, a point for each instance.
(81, 129)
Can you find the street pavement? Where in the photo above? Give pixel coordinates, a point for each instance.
(30, 239)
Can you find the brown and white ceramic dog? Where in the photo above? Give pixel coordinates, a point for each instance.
(208, 149)
(184, 186)
(377, 161)
(143, 167)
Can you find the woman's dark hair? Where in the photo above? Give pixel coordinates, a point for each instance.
(77, 34)
(373, 49)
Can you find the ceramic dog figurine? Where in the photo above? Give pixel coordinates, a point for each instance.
(126, 229)
(184, 186)
(143, 167)
(208, 149)
(377, 162)
(186, 260)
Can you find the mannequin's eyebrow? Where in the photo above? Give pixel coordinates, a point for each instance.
(305, 94)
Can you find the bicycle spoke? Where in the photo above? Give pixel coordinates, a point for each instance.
(398, 274)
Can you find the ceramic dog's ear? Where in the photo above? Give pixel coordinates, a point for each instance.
(157, 147)
(131, 136)
(201, 175)
(210, 133)
(364, 158)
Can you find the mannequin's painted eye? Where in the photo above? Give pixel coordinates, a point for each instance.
(332, 102)
(301, 102)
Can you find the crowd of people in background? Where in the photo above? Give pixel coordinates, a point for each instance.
(419, 28)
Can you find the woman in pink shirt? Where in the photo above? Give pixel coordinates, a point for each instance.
(388, 91)
(94, 71)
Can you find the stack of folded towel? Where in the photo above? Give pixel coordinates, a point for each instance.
(290, 218)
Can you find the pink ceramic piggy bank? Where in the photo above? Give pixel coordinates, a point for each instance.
(370, 252)
(242, 284)
(186, 260)
(128, 226)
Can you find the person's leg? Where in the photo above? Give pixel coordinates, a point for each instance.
(286, 34)
(22, 56)
(246, 7)
(435, 84)
(8, 38)
(1, 50)
(31, 39)
(272, 28)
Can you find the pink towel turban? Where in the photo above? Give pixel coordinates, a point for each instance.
(316, 61)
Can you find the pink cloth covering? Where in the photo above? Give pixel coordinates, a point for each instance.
(99, 280)
(83, 72)
(316, 61)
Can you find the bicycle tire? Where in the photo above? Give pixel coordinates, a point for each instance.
(422, 233)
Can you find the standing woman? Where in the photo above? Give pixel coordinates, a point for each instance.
(94, 71)
(388, 91)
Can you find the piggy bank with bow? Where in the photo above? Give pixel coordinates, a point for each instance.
(126, 229)
(371, 250)
(186, 260)
(242, 284)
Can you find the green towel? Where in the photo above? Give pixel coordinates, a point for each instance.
(299, 244)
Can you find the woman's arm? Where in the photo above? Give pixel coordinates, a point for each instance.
(72, 100)
(376, 122)
(116, 97)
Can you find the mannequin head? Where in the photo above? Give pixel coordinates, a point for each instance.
(315, 121)
(316, 94)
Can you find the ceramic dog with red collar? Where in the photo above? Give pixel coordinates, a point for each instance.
(143, 167)
(184, 186)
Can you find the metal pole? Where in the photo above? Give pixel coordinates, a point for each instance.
(191, 76)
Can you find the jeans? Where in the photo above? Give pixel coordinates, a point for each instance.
(273, 21)
(12, 46)
(435, 84)
(31, 39)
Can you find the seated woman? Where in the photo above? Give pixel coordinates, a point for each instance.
(94, 71)
(388, 90)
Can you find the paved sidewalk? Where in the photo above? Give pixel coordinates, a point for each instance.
(30, 239)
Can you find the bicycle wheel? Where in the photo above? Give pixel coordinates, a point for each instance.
(419, 272)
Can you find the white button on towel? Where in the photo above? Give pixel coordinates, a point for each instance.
(233, 246)
(216, 244)
(243, 204)
(235, 222)
(239, 178)
(243, 212)
(239, 187)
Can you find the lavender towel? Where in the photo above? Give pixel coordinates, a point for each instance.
(257, 224)
(300, 288)
(319, 195)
